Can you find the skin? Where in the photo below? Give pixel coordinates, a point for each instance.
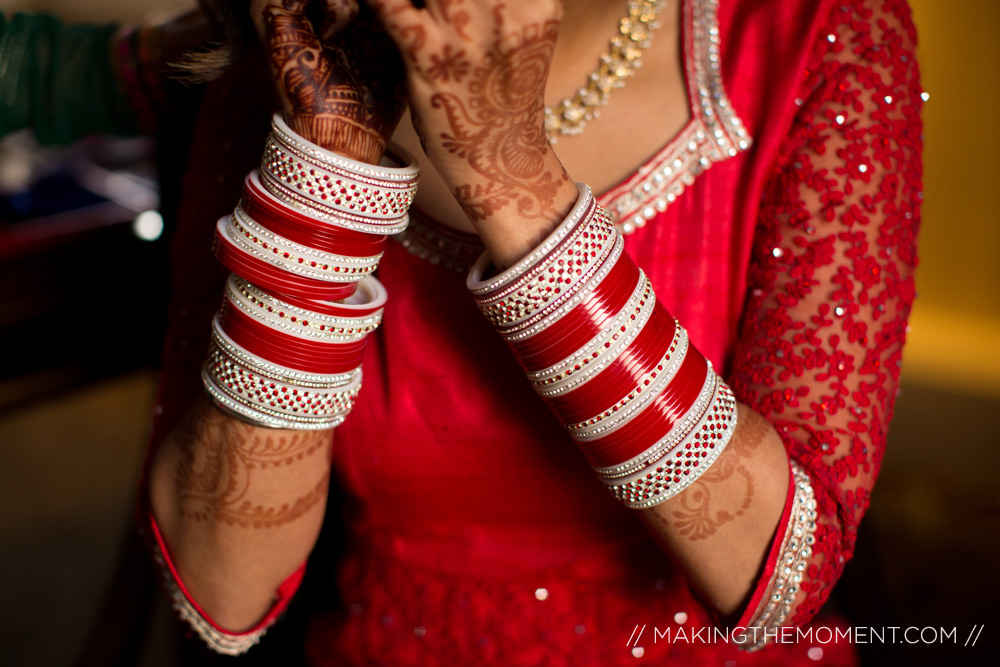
(482, 132)
(239, 506)
(478, 73)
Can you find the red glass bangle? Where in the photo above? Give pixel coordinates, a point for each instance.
(621, 377)
(572, 331)
(271, 277)
(283, 220)
(655, 421)
(369, 297)
(289, 342)
(287, 350)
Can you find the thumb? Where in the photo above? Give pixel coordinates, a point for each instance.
(403, 22)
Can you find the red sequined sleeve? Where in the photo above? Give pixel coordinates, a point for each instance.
(831, 281)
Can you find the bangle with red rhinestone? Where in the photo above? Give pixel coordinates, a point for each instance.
(294, 257)
(644, 406)
(284, 362)
(281, 220)
(239, 387)
(340, 191)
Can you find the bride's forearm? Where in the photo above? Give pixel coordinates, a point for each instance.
(239, 509)
(719, 529)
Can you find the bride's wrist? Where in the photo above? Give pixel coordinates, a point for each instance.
(343, 135)
(511, 213)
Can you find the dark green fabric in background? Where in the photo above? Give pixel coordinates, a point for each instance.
(57, 80)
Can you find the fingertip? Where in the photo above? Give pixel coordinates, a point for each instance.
(387, 8)
(339, 14)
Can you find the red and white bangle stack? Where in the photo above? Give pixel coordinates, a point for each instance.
(288, 340)
(614, 366)
(302, 244)
(261, 345)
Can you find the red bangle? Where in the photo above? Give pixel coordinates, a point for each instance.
(285, 221)
(654, 422)
(572, 331)
(621, 376)
(363, 308)
(287, 350)
(644, 406)
(271, 277)
(272, 395)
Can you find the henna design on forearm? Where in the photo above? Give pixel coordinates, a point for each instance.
(701, 513)
(223, 463)
(498, 131)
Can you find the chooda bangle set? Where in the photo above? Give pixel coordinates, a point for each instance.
(302, 244)
(287, 343)
(644, 406)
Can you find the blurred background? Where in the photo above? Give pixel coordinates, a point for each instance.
(77, 384)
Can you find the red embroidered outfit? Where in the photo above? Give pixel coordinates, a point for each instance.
(778, 227)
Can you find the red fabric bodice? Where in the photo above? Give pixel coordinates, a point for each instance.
(477, 532)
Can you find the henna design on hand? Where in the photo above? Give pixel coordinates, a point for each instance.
(498, 128)
(449, 66)
(458, 18)
(345, 96)
(700, 515)
(223, 463)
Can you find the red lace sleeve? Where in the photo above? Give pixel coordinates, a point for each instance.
(831, 282)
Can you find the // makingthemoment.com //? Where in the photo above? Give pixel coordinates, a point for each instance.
(821, 635)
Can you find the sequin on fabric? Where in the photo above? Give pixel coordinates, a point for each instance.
(831, 283)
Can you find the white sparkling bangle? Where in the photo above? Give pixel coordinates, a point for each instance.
(793, 558)
(233, 397)
(485, 289)
(403, 177)
(217, 640)
(662, 478)
(290, 197)
(382, 202)
(256, 239)
(309, 324)
(332, 188)
(273, 396)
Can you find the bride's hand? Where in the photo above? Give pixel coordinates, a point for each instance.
(340, 88)
(476, 74)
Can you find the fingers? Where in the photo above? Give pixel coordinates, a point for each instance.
(338, 15)
(396, 16)
(275, 19)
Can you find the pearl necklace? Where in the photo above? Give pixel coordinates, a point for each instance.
(617, 64)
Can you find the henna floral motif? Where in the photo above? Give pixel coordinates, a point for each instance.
(219, 465)
(449, 66)
(498, 130)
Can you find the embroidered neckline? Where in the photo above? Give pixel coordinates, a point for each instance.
(439, 244)
(714, 132)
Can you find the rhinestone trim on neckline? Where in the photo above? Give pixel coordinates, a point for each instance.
(714, 133)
